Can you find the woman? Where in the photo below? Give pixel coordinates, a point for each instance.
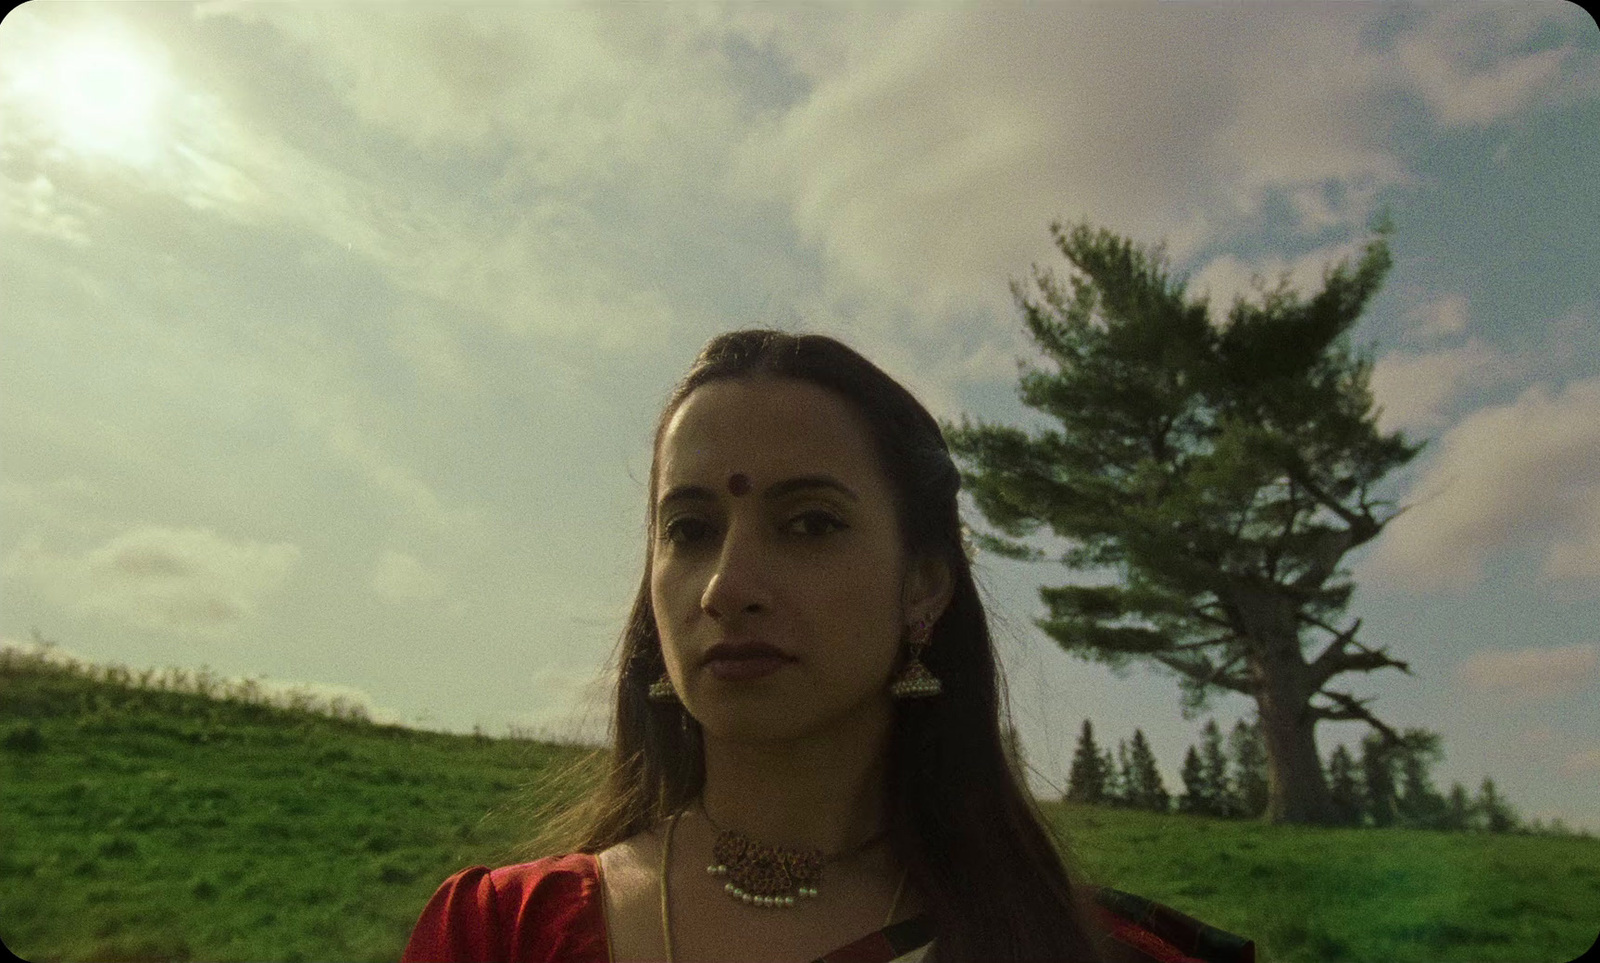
(849, 797)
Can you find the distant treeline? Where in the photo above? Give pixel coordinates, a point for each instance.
(1386, 786)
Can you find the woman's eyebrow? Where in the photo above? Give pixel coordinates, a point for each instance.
(700, 493)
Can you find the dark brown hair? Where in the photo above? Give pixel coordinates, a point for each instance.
(962, 821)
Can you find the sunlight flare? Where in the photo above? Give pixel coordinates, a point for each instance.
(101, 95)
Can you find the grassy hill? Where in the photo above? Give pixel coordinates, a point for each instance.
(141, 822)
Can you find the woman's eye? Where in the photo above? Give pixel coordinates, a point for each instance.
(814, 520)
(666, 533)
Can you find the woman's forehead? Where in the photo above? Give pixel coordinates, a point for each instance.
(763, 433)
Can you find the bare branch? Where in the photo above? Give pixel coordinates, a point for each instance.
(1334, 660)
(1353, 709)
(1363, 527)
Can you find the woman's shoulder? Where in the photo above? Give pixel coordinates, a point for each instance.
(524, 911)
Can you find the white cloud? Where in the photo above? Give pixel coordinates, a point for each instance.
(1413, 389)
(399, 577)
(935, 167)
(1515, 475)
(1525, 674)
(1576, 557)
(1465, 62)
(1442, 315)
(180, 579)
(37, 208)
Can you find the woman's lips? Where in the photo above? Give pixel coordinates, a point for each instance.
(739, 670)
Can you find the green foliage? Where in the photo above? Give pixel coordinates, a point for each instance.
(23, 739)
(1377, 780)
(1142, 786)
(1494, 813)
(1086, 782)
(1418, 803)
(1216, 792)
(1458, 809)
(1248, 754)
(1344, 785)
(1221, 472)
(1193, 801)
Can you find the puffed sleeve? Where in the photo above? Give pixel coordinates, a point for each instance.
(460, 924)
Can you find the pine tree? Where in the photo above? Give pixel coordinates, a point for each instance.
(1498, 816)
(1113, 794)
(1193, 800)
(1458, 810)
(1146, 790)
(1214, 771)
(1124, 781)
(1249, 754)
(1345, 787)
(1086, 783)
(1377, 778)
(1222, 471)
(1419, 803)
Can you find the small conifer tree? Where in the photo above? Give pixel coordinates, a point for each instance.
(1249, 755)
(1086, 782)
(1345, 787)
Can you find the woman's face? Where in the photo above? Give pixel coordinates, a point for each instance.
(816, 571)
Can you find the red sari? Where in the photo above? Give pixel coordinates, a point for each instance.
(552, 911)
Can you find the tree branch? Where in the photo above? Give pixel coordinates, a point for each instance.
(1204, 643)
(1217, 676)
(1353, 709)
(1200, 613)
(1334, 660)
(1363, 527)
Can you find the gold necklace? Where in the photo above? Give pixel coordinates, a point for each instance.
(666, 851)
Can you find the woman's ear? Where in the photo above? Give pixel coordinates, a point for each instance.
(929, 589)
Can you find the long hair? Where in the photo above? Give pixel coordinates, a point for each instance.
(961, 820)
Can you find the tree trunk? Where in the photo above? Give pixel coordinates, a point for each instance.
(1297, 792)
(1296, 789)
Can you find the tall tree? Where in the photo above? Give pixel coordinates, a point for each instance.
(1458, 809)
(1417, 802)
(1113, 794)
(1249, 756)
(1345, 787)
(1214, 771)
(1497, 814)
(1193, 799)
(1122, 794)
(1145, 788)
(1377, 780)
(1221, 470)
(1086, 781)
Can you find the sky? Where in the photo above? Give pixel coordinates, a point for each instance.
(333, 337)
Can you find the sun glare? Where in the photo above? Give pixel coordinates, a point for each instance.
(99, 94)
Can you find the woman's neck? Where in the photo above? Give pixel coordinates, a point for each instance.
(826, 792)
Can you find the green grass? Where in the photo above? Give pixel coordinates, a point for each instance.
(138, 824)
(1312, 894)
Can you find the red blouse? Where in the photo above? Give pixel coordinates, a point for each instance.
(552, 910)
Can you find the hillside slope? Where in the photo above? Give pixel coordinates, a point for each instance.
(160, 825)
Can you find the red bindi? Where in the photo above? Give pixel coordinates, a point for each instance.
(738, 484)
